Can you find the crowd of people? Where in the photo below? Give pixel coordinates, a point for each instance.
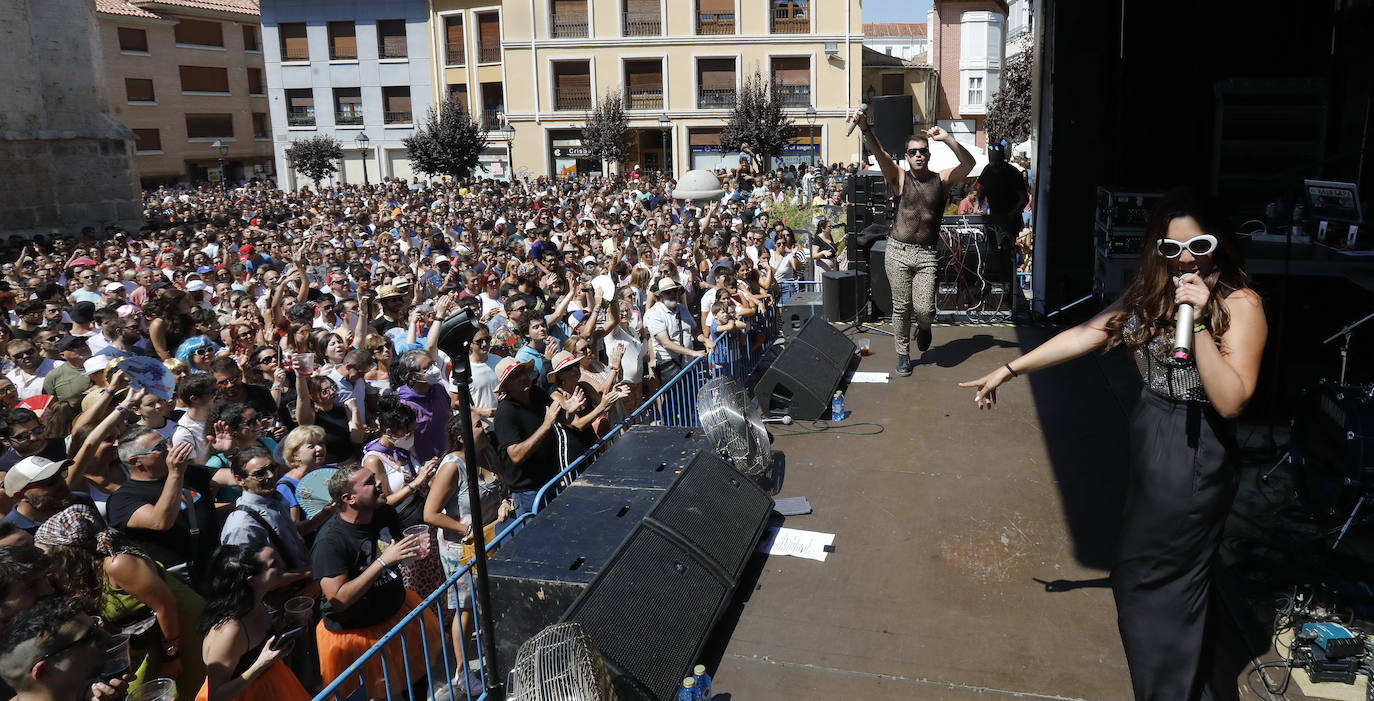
(298, 434)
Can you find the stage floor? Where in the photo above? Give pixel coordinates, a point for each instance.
(947, 524)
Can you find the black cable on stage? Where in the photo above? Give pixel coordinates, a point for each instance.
(826, 426)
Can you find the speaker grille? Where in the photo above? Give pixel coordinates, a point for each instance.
(650, 612)
(710, 507)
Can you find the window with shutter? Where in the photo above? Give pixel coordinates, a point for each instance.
(255, 86)
(146, 140)
(568, 19)
(343, 41)
(644, 85)
(294, 45)
(715, 16)
(396, 104)
(391, 38)
(792, 80)
(453, 31)
(196, 79)
(348, 106)
(489, 38)
(261, 128)
(131, 39)
(642, 18)
(715, 83)
(300, 107)
(791, 16)
(139, 90)
(209, 126)
(572, 85)
(198, 33)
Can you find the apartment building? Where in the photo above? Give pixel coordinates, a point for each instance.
(967, 39)
(186, 75)
(358, 70)
(678, 65)
(904, 40)
(467, 49)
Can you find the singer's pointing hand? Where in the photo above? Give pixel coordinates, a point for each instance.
(1192, 290)
(985, 394)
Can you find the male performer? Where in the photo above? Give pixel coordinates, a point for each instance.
(920, 195)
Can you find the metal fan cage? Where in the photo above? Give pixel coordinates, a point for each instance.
(734, 425)
(560, 663)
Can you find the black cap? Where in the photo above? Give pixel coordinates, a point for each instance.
(69, 341)
(83, 312)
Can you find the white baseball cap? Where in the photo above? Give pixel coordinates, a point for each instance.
(32, 469)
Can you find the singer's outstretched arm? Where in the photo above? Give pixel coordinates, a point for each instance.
(891, 173)
(1064, 346)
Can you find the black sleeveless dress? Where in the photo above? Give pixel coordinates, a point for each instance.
(1182, 483)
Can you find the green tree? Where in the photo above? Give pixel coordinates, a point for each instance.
(758, 120)
(604, 133)
(316, 156)
(448, 143)
(1009, 111)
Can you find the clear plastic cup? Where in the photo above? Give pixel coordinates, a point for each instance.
(422, 531)
(300, 611)
(865, 346)
(162, 689)
(116, 658)
(308, 361)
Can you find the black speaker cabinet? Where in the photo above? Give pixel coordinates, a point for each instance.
(652, 607)
(891, 116)
(802, 306)
(844, 293)
(880, 289)
(802, 379)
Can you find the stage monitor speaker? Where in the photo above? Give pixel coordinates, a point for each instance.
(880, 289)
(802, 379)
(653, 606)
(891, 116)
(803, 305)
(540, 572)
(844, 292)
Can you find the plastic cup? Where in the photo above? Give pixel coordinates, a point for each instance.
(307, 360)
(116, 658)
(865, 346)
(422, 531)
(300, 611)
(162, 689)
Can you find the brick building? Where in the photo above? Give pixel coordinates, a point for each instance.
(966, 48)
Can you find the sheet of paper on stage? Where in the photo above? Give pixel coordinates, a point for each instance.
(873, 377)
(790, 541)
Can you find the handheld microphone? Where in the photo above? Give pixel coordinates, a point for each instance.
(1183, 328)
(863, 107)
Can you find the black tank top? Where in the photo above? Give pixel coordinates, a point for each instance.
(920, 208)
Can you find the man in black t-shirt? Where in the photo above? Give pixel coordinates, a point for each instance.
(363, 593)
(165, 507)
(525, 437)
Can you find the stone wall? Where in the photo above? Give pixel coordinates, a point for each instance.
(65, 162)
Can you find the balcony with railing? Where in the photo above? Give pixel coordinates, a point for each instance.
(397, 117)
(298, 117)
(642, 24)
(715, 98)
(491, 118)
(454, 54)
(489, 53)
(572, 99)
(644, 99)
(391, 47)
(794, 95)
(295, 53)
(790, 22)
(348, 118)
(346, 52)
(715, 23)
(569, 25)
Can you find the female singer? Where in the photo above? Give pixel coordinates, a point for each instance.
(1182, 437)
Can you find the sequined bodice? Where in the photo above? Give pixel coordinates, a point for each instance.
(1176, 380)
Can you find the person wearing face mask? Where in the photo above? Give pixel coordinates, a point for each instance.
(418, 381)
(673, 329)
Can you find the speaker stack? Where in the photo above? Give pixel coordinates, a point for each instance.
(802, 378)
(644, 550)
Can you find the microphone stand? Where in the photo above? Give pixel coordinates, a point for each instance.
(1344, 335)
(462, 377)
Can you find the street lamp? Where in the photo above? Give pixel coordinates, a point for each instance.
(665, 124)
(223, 150)
(509, 130)
(362, 141)
(811, 132)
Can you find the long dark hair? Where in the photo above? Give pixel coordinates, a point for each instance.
(227, 593)
(1151, 294)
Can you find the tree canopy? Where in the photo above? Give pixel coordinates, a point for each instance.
(316, 156)
(605, 131)
(448, 143)
(758, 120)
(1009, 111)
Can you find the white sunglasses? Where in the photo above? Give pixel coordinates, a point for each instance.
(1200, 245)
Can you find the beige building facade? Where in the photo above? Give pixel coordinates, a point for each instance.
(677, 64)
(467, 68)
(183, 75)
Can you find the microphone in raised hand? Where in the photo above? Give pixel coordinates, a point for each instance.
(1183, 328)
(854, 118)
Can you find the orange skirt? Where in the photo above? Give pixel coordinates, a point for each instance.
(339, 649)
(278, 683)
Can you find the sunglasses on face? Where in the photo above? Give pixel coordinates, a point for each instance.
(160, 447)
(25, 353)
(26, 435)
(918, 151)
(204, 350)
(1200, 245)
(264, 473)
(92, 635)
